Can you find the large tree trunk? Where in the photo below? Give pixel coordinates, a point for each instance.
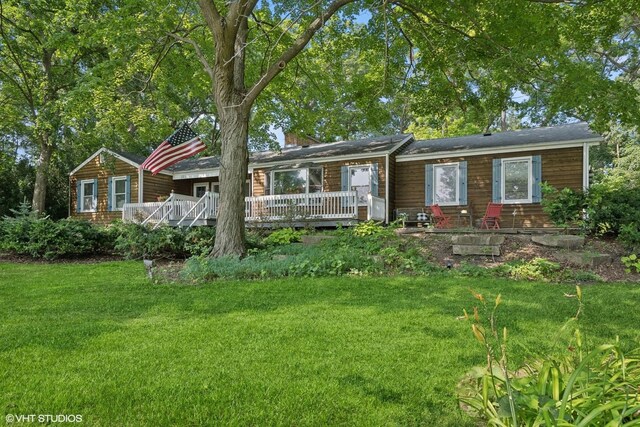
(229, 93)
(234, 160)
(42, 174)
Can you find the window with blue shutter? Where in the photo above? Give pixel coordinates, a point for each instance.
(78, 196)
(109, 194)
(128, 190)
(344, 183)
(428, 185)
(446, 184)
(87, 195)
(519, 179)
(536, 162)
(462, 175)
(497, 181)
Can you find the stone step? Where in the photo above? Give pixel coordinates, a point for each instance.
(559, 241)
(585, 259)
(487, 250)
(477, 240)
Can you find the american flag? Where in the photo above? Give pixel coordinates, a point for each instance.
(181, 144)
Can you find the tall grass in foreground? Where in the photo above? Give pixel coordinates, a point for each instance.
(582, 388)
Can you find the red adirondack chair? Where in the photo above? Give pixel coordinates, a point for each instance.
(441, 221)
(491, 218)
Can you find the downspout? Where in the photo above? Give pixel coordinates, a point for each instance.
(69, 199)
(585, 166)
(386, 190)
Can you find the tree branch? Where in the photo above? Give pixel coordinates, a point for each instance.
(297, 46)
(212, 17)
(201, 57)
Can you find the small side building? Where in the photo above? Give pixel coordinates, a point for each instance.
(101, 185)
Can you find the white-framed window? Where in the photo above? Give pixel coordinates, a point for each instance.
(118, 192)
(517, 180)
(297, 181)
(360, 182)
(88, 195)
(199, 188)
(446, 184)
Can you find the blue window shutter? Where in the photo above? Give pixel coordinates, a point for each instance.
(344, 178)
(428, 185)
(536, 162)
(344, 184)
(109, 193)
(497, 181)
(462, 170)
(374, 179)
(78, 196)
(95, 193)
(267, 183)
(127, 189)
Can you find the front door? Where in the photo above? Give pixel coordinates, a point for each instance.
(199, 188)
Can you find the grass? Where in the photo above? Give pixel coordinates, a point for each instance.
(101, 341)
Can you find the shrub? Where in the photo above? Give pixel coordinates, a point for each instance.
(599, 387)
(630, 236)
(136, 241)
(564, 207)
(611, 207)
(199, 241)
(283, 236)
(28, 234)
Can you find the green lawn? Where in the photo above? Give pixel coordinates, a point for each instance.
(101, 341)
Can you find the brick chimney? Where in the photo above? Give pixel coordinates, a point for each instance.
(293, 140)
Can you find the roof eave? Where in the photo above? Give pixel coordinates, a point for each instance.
(498, 150)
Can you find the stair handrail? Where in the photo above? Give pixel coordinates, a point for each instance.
(170, 198)
(199, 215)
(206, 195)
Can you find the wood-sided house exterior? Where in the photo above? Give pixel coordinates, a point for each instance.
(345, 181)
(102, 184)
(466, 173)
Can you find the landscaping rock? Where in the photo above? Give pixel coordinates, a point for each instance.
(558, 241)
(488, 250)
(313, 240)
(587, 259)
(477, 240)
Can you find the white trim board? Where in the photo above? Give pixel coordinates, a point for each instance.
(114, 154)
(497, 150)
(206, 173)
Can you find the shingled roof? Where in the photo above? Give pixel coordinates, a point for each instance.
(522, 137)
(369, 146)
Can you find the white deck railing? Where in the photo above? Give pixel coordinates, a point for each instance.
(376, 208)
(187, 210)
(329, 205)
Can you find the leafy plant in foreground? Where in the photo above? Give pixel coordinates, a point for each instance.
(600, 387)
(631, 262)
(283, 236)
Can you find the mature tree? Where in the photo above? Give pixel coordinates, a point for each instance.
(75, 76)
(458, 53)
